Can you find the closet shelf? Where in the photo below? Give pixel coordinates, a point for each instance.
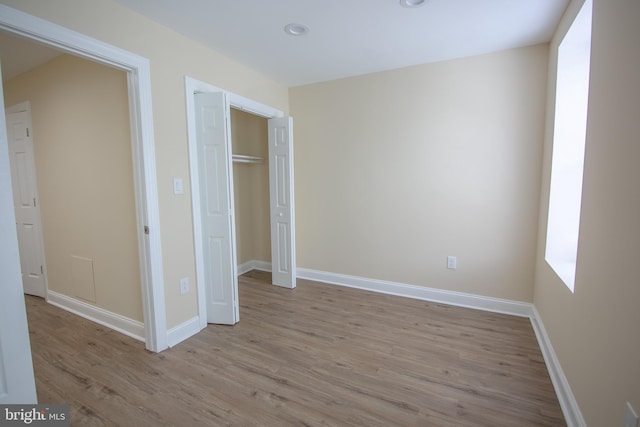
(239, 158)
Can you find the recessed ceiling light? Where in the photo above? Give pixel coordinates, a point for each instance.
(294, 29)
(411, 3)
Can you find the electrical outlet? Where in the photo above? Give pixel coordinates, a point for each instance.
(184, 285)
(452, 262)
(631, 418)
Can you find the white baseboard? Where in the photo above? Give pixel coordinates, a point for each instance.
(567, 400)
(183, 331)
(124, 325)
(253, 265)
(459, 299)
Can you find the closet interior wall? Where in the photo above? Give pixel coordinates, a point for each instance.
(249, 137)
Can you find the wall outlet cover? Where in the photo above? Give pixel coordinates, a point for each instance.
(184, 285)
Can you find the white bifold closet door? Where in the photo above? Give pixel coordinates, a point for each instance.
(218, 237)
(283, 248)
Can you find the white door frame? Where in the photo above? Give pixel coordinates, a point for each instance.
(137, 68)
(239, 102)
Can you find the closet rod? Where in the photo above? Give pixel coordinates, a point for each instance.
(239, 158)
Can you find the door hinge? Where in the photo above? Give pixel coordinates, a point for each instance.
(34, 202)
(27, 132)
(146, 229)
(41, 270)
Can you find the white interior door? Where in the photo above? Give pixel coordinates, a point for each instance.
(216, 208)
(25, 199)
(283, 248)
(17, 384)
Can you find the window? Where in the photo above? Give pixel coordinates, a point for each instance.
(569, 134)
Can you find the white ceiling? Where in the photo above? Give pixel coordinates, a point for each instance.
(353, 37)
(346, 37)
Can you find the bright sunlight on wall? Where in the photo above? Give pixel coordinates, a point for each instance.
(569, 133)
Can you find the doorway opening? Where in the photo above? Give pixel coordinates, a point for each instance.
(147, 227)
(79, 150)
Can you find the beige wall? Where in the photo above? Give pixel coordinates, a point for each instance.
(172, 57)
(595, 331)
(82, 148)
(397, 170)
(249, 136)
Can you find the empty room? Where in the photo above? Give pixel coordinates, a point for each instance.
(389, 212)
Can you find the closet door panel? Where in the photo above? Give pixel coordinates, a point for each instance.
(282, 203)
(214, 168)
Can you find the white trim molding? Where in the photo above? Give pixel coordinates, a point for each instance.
(459, 299)
(567, 400)
(253, 265)
(117, 322)
(138, 71)
(185, 330)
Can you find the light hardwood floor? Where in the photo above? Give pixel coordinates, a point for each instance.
(316, 355)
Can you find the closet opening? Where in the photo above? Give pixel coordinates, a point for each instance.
(250, 155)
(255, 190)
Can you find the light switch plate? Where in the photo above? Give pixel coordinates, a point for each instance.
(452, 262)
(178, 186)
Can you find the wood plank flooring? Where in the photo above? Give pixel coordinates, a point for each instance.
(318, 355)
